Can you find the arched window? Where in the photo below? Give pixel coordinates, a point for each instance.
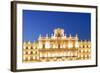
(31, 52)
(31, 47)
(26, 52)
(26, 47)
(58, 45)
(43, 45)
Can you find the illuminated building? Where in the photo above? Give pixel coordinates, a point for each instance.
(57, 47)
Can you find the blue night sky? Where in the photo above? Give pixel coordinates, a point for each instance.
(44, 22)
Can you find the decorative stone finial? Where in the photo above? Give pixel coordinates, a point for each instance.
(76, 36)
(70, 35)
(46, 35)
(40, 36)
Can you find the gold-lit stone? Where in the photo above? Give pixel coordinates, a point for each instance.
(58, 47)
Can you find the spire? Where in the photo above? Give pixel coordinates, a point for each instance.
(29, 42)
(70, 35)
(24, 43)
(46, 35)
(76, 35)
(64, 36)
(40, 36)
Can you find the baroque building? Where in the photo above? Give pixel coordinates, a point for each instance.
(57, 47)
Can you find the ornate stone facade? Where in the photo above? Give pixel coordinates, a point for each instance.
(58, 47)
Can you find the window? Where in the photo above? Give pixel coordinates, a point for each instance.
(26, 47)
(31, 52)
(31, 47)
(26, 52)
